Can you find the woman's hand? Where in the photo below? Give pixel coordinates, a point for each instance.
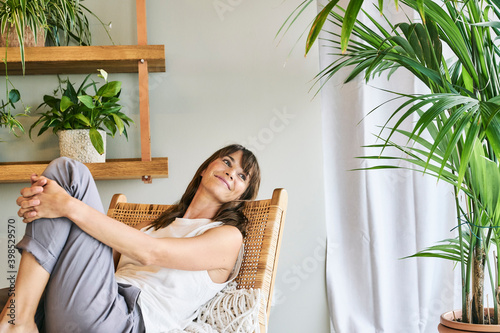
(44, 199)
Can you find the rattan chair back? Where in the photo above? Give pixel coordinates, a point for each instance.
(262, 242)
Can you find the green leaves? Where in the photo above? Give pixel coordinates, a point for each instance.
(84, 120)
(485, 181)
(110, 89)
(17, 14)
(7, 119)
(81, 109)
(67, 21)
(351, 14)
(448, 249)
(454, 130)
(14, 96)
(96, 139)
(65, 103)
(463, 106)
(318, 23)
(87, 100)
(349, 21)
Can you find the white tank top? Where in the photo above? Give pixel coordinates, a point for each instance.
(169, 297)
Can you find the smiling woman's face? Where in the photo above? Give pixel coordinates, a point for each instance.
(224, 179)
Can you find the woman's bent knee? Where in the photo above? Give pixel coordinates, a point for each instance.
(76, 179)
(65, 170)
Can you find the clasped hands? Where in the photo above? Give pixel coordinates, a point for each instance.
(43, 199)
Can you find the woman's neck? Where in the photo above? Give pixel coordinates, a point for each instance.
(201, 208)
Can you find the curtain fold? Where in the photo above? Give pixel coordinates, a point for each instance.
(375, 218)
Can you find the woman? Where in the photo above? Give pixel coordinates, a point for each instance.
(166, 269)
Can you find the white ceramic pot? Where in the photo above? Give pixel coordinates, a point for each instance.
(76, 144)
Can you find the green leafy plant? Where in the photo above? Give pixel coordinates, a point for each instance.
(62, 21)
(18, 14)
(456, 137)
(79, 109)
(7, 119)
(67, 21)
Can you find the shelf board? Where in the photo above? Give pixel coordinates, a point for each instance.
(84, 59)
(20, 172)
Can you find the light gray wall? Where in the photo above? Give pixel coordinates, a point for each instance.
(227, 81)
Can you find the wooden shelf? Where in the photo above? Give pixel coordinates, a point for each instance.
(20, 172)
(84, 59)
(142, 59)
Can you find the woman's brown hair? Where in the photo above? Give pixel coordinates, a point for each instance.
(230, 213)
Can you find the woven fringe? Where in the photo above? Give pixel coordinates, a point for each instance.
(196, 328)
(231, 310)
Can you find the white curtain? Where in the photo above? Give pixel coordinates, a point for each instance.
(374, 218)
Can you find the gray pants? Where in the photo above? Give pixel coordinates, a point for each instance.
(82, 294)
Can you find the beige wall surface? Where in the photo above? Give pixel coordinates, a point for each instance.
(227, 80)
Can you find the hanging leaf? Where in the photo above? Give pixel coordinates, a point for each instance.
(14, 95)
(96, 139)
(350, 17)
(318, 23)
(119, 123)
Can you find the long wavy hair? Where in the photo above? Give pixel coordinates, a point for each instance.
(230, 213)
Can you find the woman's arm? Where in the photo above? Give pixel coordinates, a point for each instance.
(215, 249)
(117, 255)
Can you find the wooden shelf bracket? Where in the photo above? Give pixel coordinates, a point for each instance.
(142, 39)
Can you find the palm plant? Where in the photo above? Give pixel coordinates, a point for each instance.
(460, 114)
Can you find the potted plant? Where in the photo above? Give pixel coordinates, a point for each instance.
(20, 18)
(89, 108)
(457, 135)
(26, 23)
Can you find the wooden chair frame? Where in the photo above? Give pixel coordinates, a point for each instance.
(262, 242)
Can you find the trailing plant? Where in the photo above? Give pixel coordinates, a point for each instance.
(7, 119)
(86, 107)
(67, 21)
(18, 14)
(62, 21)
(456, 137)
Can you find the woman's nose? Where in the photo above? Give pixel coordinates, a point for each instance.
(230, 175)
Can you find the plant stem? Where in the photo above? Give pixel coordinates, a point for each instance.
(478, 283)
(465, 294)
(496, 303)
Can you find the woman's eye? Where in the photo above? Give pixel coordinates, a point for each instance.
(227, 162)
(243, 177)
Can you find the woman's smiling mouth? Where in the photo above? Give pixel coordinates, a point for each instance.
(225, 182)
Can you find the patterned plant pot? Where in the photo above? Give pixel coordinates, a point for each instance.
(76, 144)
(29, 38)
(449, 325)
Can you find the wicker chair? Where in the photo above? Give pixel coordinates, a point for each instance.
(262, 242)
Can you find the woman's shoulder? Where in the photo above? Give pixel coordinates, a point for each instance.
(226, 232)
